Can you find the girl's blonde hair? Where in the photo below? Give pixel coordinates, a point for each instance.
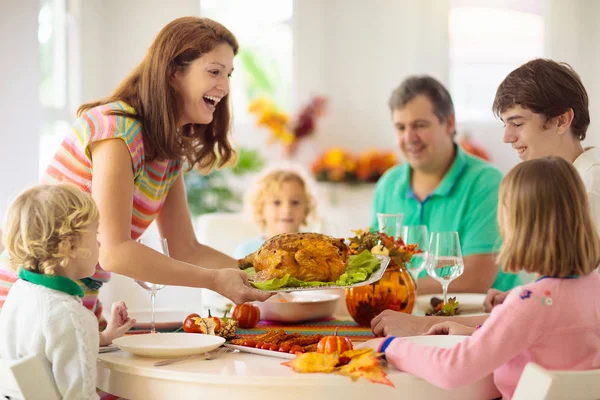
(549, 230)
(271, 182)
(43, 225)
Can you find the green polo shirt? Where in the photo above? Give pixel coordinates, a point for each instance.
(465, 201)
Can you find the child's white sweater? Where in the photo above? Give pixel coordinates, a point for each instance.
(39, 320)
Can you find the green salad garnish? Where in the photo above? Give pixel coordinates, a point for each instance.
(360, 267)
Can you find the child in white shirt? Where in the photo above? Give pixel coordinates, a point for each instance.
(50, 235)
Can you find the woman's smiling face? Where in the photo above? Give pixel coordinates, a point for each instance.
(203, 84)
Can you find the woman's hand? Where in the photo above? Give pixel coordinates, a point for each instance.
(233, 284)
(493, 298)
(118, 324)
(450, 328)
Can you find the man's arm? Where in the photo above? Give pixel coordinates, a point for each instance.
(478, 276)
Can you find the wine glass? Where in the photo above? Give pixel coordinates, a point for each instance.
(416, 234)
(444, 260)
(160, 245)
(390, 224)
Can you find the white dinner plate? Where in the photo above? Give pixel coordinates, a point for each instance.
(168, 345)
(444, 341)
(261, 352)
(165, 319)
(470, 304)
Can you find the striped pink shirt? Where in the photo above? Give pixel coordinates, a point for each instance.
(72, 163)
(553, 322)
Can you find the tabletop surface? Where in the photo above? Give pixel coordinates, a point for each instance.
(254, 376)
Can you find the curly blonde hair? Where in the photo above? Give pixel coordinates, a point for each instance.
(271, 182)
(44, 224)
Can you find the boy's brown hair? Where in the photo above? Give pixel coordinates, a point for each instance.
(548, 88)
(545, 220)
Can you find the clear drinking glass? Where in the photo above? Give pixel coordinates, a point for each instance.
(444, 260)
(390, 224)
(160, 245)
(416, 234)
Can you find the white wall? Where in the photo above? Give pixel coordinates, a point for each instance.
(116, 35)
(355, 52)
(571, 35)
(20, 112)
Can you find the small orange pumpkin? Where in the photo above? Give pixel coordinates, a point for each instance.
(247, 315)
(334, 344)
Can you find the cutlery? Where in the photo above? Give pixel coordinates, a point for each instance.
(207, 356)
(108, 349)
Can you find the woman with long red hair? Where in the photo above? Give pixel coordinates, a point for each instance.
(129, 151)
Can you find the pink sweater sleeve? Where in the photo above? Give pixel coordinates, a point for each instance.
(510, 329)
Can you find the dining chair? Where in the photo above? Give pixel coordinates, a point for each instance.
(225, 231)
(537, 383)
(28, 378)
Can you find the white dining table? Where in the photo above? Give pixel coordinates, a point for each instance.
(249, 376)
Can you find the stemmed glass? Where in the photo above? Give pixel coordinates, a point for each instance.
(444, 260)
(390, 224)
(160, 245)
(416, 234)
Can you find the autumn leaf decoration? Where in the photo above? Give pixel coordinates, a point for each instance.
(352, 363)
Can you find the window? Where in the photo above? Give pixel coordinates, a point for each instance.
(58, 87)
(263, 66)
(489, 39)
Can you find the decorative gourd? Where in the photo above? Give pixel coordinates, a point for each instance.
(247, 315)
(196, 324)
(334, 344)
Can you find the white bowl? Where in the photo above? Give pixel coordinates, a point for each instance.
(168, 345)
(298, 306)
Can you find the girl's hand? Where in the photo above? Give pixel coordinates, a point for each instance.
(493, 298)
(450, 328)
(118, 324)
(233, 284)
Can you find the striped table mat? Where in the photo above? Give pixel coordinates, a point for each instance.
(324, 327)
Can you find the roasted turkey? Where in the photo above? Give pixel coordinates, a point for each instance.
(305, 256)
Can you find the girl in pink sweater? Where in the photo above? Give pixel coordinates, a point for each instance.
(546, 227)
